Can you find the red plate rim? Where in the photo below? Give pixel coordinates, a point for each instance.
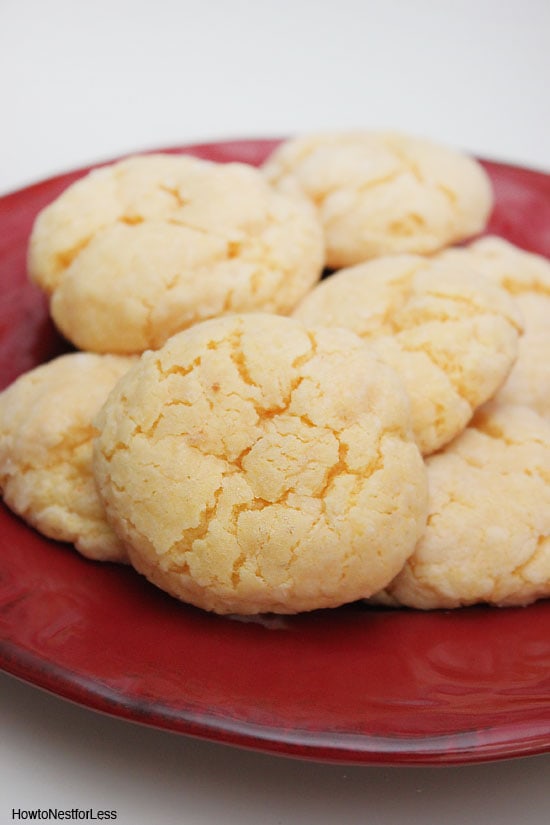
(468, 745)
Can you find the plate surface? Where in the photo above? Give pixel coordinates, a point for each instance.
(354, 685)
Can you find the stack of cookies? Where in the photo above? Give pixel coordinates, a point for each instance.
(254, 437)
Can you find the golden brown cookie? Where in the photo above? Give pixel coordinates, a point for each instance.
(384, 193)
(143, 248)
(46, 436)
(253, 465)
(451, 334)
(488, 533)
(526, 277)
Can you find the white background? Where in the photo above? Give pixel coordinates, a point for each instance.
(82, 82)
(88, 81)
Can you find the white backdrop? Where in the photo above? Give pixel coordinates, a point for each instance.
(87, 81)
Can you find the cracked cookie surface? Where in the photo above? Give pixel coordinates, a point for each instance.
(254, 465)
(46, 445)
(383, 193)
(145, 247)
(488, 533)
(450, 334)
(526, 277)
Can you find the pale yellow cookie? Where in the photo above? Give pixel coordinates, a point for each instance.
(527, 278)
(252, 465)
(451, 334)
(382, 193)
(46, 437)
(141, 249)
(488, 533)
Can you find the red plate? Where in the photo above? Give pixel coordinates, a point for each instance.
(353, 685)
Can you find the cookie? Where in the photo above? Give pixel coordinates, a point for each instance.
(46, 437)
(451, 334)
(384, 193)
(254, 465)
(144, 248)
(527, 278)
(488, 533)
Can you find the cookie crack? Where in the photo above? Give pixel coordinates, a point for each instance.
(65, 258)
(469, 309)
(338, 468)
(238, 359)
(177, 369)
(492, 430)
(407, 163)
(131, 219)
(535, 287)
(175, 194)
(63, 454)
(190, 535)
(454, 381)
(541, 549)
(320, 198)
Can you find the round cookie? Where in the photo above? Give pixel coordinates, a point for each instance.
(450, 334)
(488, 533)
(46, 437)
(384, 193)
(252, 465)
(145, 247)
(527, 279)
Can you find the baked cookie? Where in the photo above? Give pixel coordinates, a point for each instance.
(451, 334)
(383, 193)
(141, 249)
(527, 278)
(46, 436)
(252, 465)
(488, 533)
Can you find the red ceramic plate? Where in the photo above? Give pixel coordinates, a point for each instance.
(353, 685)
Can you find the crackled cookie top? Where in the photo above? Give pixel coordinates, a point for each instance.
(141, 249)
(382, 193)
(527, 278)
(451, 334)
(252, 465)
(46, 437)
(488, 533)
